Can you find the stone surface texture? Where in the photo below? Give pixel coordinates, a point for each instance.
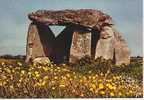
(81, 46)
(85, 17)
(83, 27)
(41, 60)
(122, 52)
(105, 45)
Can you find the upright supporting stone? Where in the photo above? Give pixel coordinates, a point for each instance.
(35, 45)
(111, 45)
(81, 46)
(32, 31)
(105, 47)
(122, 53)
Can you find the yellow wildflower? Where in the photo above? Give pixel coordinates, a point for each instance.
(40, 80)
(81, 80)
(84, 78)
(22, 71)
(63, 77)
(120, 93)
(89, 72)
(68, 75)
(11, 77)
(114, 87)
(111, 94)
(19, 63)
(93, 77)
(4, 83)
(43, 83)
(10, 66)
(13, 70)
(62, 85)
(20, 80)
(37, 75)
(51, 70)
(81, 95)
(101, 74)
(58, 67)
(53, 88)
(55, 70)
(93, 86)
(55, 73)
(91, 89)
(3, 63)
(101, 86)
(70, 79)
(114, 77)
(86, 84)
(109, 80)
(45, 77)
(45, 68)
(89, 77)
(55, 77)
(52, 82)
(18, 84)
(11, 87)
(0, 83)
(118, 77)
(102, 92)
(38, 84)
(130, 91)
(100, 80)
(64, 64)
(36, 72)
(39, 67)
(75, 77)
(73, 91)
(8, 70)
(4, 77)
(96, 75)
(109, 86)
(29, 73)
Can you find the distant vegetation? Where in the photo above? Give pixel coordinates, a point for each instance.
(87, 78)
(12, 57)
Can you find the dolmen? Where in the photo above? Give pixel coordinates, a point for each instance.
(88, 32)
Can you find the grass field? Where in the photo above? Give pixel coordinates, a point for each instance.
(88, 78)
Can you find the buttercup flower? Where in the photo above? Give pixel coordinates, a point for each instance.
(101, 86)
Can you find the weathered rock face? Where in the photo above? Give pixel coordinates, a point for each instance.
(34, 46)
(81, 45)
(105, 45)
(85, 17)
(88, 33)
(122, 53)
(111, 45)
(39, 41)
(41, 60)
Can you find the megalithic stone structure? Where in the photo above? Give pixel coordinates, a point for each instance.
(81, 45)
(105, 45)
(39, 41)
(122, 53)
(111, 45)
(76, 40)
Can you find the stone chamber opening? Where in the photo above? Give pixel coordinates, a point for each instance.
(57, 48)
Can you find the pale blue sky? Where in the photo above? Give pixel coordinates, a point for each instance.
(127, 15)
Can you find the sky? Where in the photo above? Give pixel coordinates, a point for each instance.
(126, 14)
